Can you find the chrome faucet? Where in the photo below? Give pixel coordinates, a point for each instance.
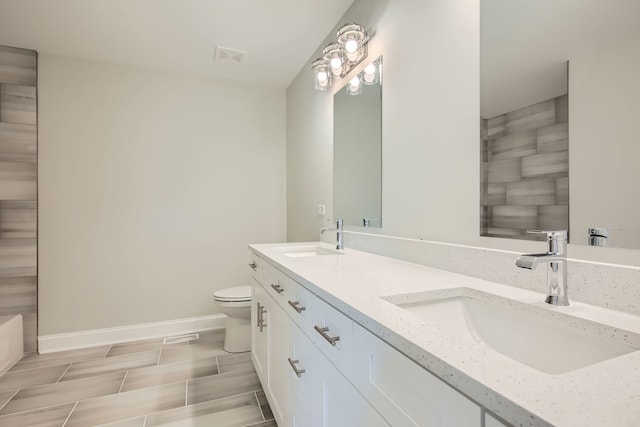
(339, 233)
(556, 260)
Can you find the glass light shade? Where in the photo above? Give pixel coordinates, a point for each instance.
(334, 55)
(353, 38)
(370, 74)
(355, 86)
(321, 74)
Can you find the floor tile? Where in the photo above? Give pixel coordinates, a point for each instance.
(53, 416)
(131, 422)
(4, 397)
(140, 346)
(169, 373)
(111, 364)
(212, 336)
(264, 405)
(235, 362)
(190, 352)
(63, 392)
(60, 358)
(222, 385)
(229, 411)
(268, 423)
(31, 377)
(127, 405)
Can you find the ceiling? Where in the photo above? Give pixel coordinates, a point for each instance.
(178, 35)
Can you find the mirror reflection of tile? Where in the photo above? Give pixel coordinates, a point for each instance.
(525, 170)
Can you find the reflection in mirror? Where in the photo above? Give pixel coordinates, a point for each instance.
(357, 149)
(522, 45)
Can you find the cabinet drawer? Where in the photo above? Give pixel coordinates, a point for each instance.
(332, 332)
(405, 393)
(275, 282)
(298, 303)
(255, 266)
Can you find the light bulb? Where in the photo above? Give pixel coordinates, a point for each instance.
(351, 46)
(322, 77)
(370, 69)
(355, 82)
(336, 62)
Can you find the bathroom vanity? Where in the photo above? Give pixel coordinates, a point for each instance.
(355, 338)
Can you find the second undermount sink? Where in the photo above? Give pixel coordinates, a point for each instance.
(299, 251)
(532, 335)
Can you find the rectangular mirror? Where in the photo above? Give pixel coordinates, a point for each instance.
(357, 149)
(524, 45)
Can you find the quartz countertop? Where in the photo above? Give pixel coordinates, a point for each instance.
(354, 282)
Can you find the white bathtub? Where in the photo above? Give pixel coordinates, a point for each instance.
(11, 345)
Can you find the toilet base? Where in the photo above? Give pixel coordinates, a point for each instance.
(237, 337)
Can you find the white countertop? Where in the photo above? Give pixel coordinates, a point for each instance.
(603, 394)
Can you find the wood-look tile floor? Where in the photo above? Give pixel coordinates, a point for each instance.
(142, 384)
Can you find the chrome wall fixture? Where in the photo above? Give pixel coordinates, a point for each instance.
(339, 58)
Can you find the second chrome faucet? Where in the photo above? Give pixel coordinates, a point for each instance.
(339, 233)
(556, 260)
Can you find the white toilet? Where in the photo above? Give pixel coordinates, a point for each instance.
(236, 304)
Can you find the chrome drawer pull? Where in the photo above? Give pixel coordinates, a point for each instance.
(277, 288)
(298, 372)
(296, 306)
(253, 265)
(323, 332)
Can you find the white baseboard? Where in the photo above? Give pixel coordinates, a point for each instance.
(95, 337)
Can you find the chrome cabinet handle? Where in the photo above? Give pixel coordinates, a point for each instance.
(323, 331)
(296, 306)
(298, 372)
(253, 265)
(258, 314)
(277, 288)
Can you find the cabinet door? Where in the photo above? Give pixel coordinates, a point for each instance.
(259, 330)
(337, 402)
(278, 371)
(297, 417)
(405, 393)
(301, 353)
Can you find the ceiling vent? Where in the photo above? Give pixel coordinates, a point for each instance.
(225, 54)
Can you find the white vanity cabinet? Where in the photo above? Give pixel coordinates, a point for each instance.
(320, 369)
(403, 392)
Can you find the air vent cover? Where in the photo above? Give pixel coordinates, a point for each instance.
(226, 54)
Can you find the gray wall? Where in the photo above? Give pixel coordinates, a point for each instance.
(18, 188)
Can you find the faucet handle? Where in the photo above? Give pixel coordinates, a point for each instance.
(556, 240)
(560, 235)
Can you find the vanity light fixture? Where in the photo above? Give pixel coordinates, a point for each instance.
(340, 57)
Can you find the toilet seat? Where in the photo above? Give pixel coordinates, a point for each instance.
(235, 294)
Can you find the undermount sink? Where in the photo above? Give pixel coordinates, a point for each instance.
(534, 336)
(299, 251)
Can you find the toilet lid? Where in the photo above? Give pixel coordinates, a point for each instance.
(238, 293)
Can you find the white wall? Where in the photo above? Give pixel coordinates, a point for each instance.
(431, 152)
(430, 123)
(151, 185)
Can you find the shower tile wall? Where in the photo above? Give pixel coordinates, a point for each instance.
(525, 171)
(18, 188)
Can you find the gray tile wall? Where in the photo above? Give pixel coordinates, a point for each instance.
(525, 171)
(18, 188)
